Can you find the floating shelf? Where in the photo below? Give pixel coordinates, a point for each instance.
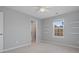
(75, 33)
(75, 27)
(75, 22)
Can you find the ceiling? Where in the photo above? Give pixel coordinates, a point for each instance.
(50, 10)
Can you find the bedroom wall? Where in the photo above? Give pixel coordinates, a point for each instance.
(39, 31)
(17, 28)
(69, 39)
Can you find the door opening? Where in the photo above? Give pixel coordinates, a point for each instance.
(33, 32)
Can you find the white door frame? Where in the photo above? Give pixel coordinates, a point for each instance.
(36, 31)
(1, 32)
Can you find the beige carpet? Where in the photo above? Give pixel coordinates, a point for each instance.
(44, 48)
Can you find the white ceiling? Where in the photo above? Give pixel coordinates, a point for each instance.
(51, 10)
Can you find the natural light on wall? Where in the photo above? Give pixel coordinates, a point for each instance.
(58, 28)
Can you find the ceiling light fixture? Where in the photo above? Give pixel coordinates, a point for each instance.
(42, 9)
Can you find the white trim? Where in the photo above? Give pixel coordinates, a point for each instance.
(67, 45)
(75, 27)
(75, 33)
(1, 37)
(37, 33)
(54, 31)
(1, 51)
(16, 47)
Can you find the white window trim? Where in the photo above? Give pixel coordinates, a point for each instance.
(57, 36)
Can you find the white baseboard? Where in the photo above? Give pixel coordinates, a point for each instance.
(16, 47)
(68, 45)
(1, 51)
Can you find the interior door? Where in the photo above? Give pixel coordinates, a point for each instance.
(33, 32)
(1, 31)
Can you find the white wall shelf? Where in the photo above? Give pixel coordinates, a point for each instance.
(75, 33)
(75, 27)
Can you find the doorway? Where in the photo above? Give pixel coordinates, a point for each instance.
(1, 31)
(33, 32)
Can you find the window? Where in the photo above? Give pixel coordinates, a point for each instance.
(58, 28)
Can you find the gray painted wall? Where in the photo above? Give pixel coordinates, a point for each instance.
(69, 38)
(39, 30)
(17, 28)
